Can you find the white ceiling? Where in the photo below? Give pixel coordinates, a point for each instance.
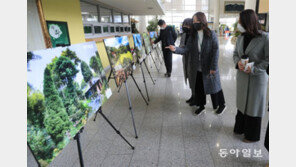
(135, 7)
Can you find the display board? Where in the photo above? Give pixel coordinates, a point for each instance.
(120, 57)
(139, 48)
(147, 43)
(65, 88)
(59, 33)
(153, 35)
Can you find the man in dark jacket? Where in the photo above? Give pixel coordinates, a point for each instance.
(167, 37)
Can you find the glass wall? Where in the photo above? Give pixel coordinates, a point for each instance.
(106, 15)
(177, 10)
(117, 17)
(89, 12)
(100, 20)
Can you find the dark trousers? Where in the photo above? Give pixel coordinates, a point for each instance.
(247, 125)
(167, 54)
(200, 96)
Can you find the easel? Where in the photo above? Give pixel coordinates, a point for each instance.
(111, 73)
(117, 131)
(153, 61)
(144, 80)
(129, 100)
(159, 55)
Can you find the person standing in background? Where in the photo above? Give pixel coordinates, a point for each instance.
(203, 46)
(251, 58)
(167, 37)
(187, 28)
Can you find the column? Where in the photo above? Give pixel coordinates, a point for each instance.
(142, 24)
(216, 15)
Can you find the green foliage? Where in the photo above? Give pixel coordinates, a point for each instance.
(40, 143)
(71, 55)
(56, 119)
(83, 84)
(65, 69)
(152, 24)
(35, 108)
(87, 74)
(96, 64)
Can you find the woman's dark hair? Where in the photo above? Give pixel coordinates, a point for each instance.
(203, 20)
(187, 22)
(249, 21)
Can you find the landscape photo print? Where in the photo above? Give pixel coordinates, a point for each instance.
(120, 57)
(65, 88)
(139, 48)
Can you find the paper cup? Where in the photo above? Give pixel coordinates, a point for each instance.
(245, 61)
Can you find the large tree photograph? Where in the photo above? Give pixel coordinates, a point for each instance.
(65, 88)
(139, 48)
(120, 57)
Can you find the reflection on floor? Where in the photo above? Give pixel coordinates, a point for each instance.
(169, 133)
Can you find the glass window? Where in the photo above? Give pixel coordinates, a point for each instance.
(112, 29)
(98, 29)
(89, 12)
(105, 29)
(106, 15)
(117, 17)
(121, 29)
(117, 29)
(87, 29)
(125, 18)
(125, 28)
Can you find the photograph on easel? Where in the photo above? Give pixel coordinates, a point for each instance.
(153, 35)
(65, 88)
(139, 48)
(147, 43)
(120, 57)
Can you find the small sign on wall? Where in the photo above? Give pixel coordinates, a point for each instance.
(59, 33)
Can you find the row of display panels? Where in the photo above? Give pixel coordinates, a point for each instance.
(67, 85)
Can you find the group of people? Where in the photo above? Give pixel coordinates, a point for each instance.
(200, 49)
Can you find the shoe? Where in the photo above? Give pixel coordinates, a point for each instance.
(221, 109)
(248, 141)
(167, 75)
(200, 110)
(192, 103)
(189, 100)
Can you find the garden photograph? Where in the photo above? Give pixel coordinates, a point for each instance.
(147, 43)
(139, 48)
(65, 88)
(120, 57)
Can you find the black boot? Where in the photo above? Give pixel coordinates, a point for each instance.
(200, 110)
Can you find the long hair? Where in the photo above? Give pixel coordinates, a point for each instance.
(249, 21)
(203, 20)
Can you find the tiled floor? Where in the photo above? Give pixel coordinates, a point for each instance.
(169, 133)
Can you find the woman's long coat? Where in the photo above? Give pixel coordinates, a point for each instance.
(209, 61)
(186, 65)
(251, 89)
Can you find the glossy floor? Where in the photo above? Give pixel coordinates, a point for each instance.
(169, 133)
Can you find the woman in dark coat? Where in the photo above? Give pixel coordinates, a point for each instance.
(186, 28)
(203, 48)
